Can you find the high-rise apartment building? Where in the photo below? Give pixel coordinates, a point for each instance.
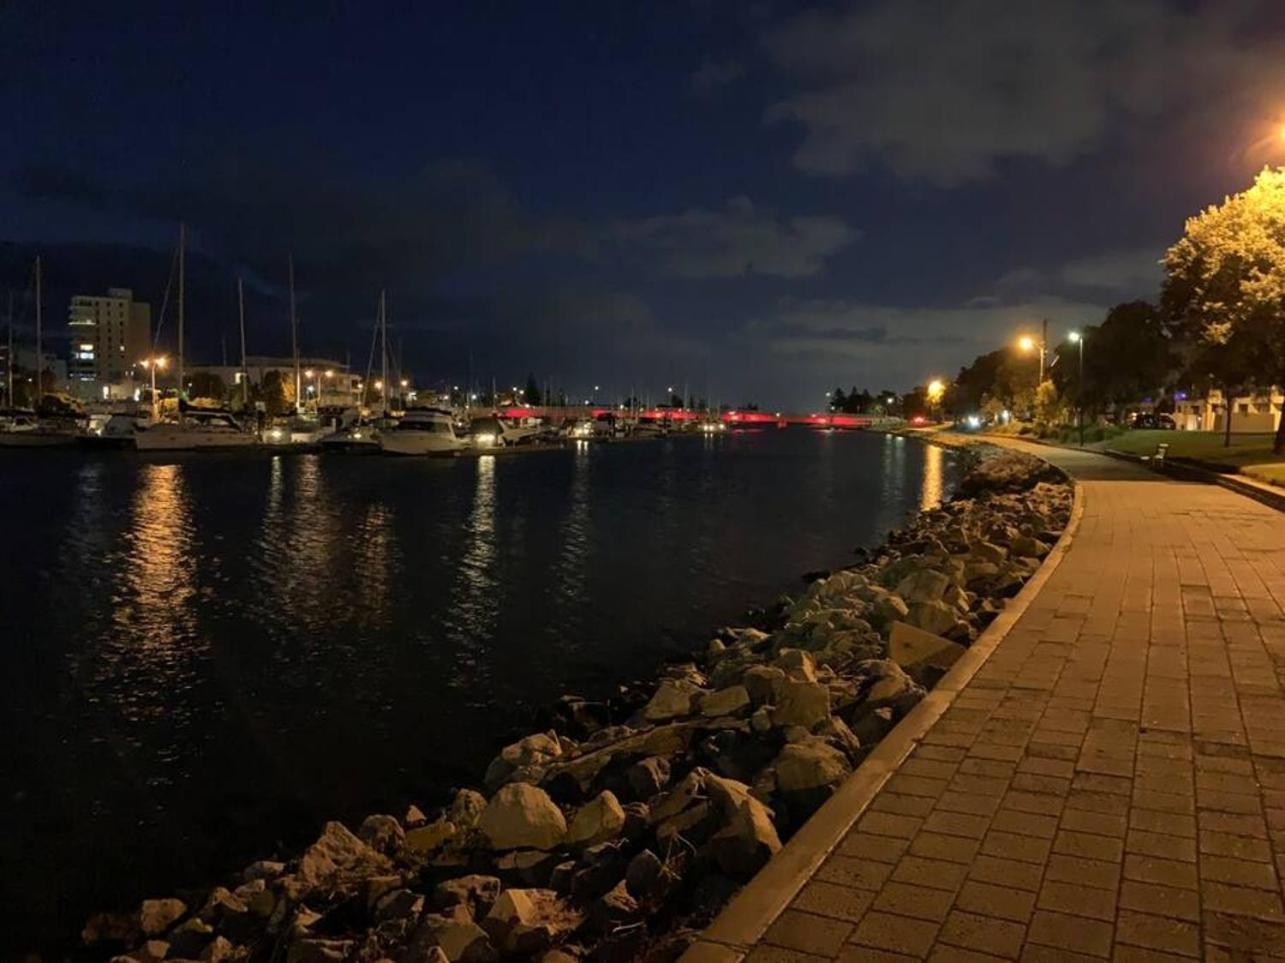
(110, 334)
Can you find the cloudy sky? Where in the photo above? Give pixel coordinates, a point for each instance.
(761, 200)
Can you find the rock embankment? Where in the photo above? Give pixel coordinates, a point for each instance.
(622, 829)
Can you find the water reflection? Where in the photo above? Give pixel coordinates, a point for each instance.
(476, 600)
(931, 492)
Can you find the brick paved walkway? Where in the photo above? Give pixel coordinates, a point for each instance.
(1111, 784)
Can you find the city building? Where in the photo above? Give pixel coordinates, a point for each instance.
(1257, 413)
(109, 334)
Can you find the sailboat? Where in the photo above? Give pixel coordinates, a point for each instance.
(55, 422)
(362, 434)
(196, 428)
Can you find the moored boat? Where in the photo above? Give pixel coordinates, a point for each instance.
(422, 431)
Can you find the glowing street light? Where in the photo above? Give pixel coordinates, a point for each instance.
(152, 364)
(1078, 339)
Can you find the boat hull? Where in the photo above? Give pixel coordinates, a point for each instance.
(419, 443)
(162, 439)
(36, 439)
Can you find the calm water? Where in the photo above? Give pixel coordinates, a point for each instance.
(207, 655)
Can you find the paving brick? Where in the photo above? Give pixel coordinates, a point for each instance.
(955, 849)
(1160, 900)
(921, 902)
(957, 824)
(1077, 900)
(1238, 872)
(808, 933)
(1026, 849)
(1103, 824)
(1006, 872)
(834, 900)
(1087, 872)
(1075, 933)
(1003, 902)
(1158, 933)
(1160, 844)
(986, 933)
(883, 849)
(937, 873)
(1106, 848)
(854, 871)
(1167, 872)
(897, 933)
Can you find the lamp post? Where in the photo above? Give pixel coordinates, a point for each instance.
(936, 391)
(152, 364)
(1078, 339)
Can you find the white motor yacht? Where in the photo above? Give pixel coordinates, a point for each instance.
(25, 429)
(422, 431)
(199, 430)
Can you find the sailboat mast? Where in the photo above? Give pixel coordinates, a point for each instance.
(8, 396)
(383, 349)
(182, 258)
(294, 342)
(245, 375)
(40, 335)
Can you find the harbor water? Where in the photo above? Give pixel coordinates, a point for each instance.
(208, 655)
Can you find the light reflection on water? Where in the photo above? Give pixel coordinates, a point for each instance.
(218, 652)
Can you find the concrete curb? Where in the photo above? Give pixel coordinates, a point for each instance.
(755, 908)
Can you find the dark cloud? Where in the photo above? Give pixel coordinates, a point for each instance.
(944, 90)
(713, 75)
(735, 241)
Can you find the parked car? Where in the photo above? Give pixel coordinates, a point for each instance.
(1151, 419)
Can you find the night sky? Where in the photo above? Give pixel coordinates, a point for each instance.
(761, 200)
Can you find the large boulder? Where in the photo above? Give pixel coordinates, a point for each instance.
(466, 808)
(747, 838)
(336, 857)
(725, 702)
(521, 816)
(809, 764)
(524, 759)
(909, 646)
(936, 616)
(673, 698)
(888, 608)
(475, 892)
(529, 921)
(1009, 471)
(600, 819)
(424, 840)
(382, 833)
(801, 704)
(155, 916)
(763, 682)
(925, 585)
(648, 776)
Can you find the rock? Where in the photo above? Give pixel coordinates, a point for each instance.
(221, 905)
(476, 893)
(936, 617)
(1024, 546)
(533, 753)
(763, 683)
(673, 698)
(558, 956)
(383, 834)
(399, 904)
(1009, 471)
(424, 840)
(725, 702)
(190, 937)
(648, 776)
(336, 854)
(925, 585)
(614, 908)
(872, 726)
(909, 646)
(889, 683)
(414, 817)
(530, 921)
(810, 764)
(522, 816)
(462, 940)
(747, 838)
(985, 551)
(889, 608)
(377, 886)
(801, 704)
(217, 950)
(714, 651)
(689, 791)
(466, 808)
(153, 951)
(597, 821)
(643, 872)
(265, 869)
(796, 664)
(155, 916)
(761, 720)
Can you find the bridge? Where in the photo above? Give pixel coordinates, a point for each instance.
(733, 418)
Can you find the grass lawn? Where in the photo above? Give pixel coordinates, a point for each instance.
(1204, 445)
(1268, 473)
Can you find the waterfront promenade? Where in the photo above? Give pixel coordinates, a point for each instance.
(1109, 784)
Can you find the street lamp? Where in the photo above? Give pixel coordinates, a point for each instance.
(152, 364)
(1028, 344)
(1078, 339)
(936, 391)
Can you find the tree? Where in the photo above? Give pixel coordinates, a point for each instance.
(205, 384)
(838, 400)
(272, 392)
(532, 394)
(1127, 357)
(1224, 292)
